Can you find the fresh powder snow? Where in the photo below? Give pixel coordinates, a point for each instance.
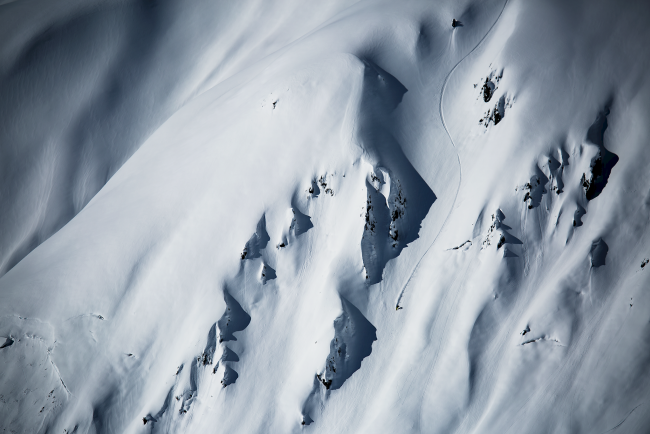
(372, 216)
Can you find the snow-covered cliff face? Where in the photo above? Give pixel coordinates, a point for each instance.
(279, 217)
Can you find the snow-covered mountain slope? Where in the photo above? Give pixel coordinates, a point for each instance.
(85, 83)
(277, 217)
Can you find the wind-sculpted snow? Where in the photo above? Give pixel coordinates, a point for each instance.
(497, 113)
(557, 161)
(267, 273)
(257, 242)
(352, 342)
(110, 81)
(602, 163)
(33, 391)
(535, 189)
(499, 232)
(392, 221)
(283, 217)
(353, 337)
(234, 319)
(83, 85)
(598, 253)
(215, 360)
(301, 223)
(375, 244)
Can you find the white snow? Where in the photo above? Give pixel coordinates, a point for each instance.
(283, 216)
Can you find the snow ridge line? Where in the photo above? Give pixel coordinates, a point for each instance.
(460, 167)
(451, 210)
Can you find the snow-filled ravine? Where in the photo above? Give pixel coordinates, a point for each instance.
(374, 216)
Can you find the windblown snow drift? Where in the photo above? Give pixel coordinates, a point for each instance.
(324, 217)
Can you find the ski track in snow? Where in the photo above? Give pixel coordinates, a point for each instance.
(464, 369)
(624, 419)
(434, 327)
(460, 167)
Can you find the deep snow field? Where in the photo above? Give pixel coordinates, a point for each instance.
(324, 217)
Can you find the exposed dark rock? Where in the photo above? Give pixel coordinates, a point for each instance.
(598, 253)
(602, 163)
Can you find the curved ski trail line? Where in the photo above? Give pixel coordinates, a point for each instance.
(624, 419)
(460, 167)
(441, 341)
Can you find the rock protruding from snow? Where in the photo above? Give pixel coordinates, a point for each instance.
(498, 113)
(577, 215)
(598, 253)
(325, 182)
(499, 231)
(535, 189)
(390, 222)
(353, 338)
(267, 273)
(490, 85)
(386, 222)
(210, 347)
(487, 90)
(375, 240)
(28, 371)
(169, 402)
(352, 342)
(257, 242)
(397, 208)
(548, 174)
(602, 164)
(234, 319)
(7, 343)
(313, 189)
(300, 223)
(556, 169)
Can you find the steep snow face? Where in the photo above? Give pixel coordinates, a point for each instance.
(330, 218)
(83, 84)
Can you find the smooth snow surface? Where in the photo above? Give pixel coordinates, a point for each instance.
(329, 217)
